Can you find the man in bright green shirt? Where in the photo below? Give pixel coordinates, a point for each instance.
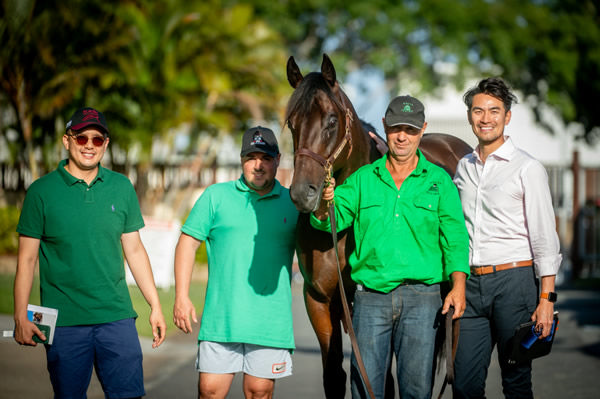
(410, 236)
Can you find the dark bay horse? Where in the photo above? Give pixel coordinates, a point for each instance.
(327, 134)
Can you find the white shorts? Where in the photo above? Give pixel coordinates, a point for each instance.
(255, 360)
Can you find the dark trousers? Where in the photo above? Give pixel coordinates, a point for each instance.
(497, 304)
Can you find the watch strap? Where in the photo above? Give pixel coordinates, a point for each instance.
(550, 296)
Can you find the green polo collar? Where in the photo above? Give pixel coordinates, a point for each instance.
(241, 185)
(71, 180)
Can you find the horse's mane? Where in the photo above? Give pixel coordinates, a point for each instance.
(302, 98)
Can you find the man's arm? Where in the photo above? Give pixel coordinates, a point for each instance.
(545, 245)
(185, 254)
(26, 261)
(139, 264)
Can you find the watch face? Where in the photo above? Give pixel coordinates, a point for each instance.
(550, 296)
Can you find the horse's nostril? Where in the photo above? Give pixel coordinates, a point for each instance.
(312, 191)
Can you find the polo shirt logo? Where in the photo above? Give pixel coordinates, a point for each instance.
(112, 207)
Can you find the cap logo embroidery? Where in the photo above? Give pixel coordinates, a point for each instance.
(407, 108)
(257, 140)
(90, 114)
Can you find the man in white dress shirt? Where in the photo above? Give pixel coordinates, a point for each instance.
(513, 246)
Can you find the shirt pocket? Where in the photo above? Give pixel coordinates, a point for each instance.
(428, 202)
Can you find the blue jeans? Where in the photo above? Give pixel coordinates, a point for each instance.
(401, 322)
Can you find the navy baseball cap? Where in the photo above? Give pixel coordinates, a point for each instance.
(259, 139)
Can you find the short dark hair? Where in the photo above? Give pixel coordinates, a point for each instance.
(495, 87)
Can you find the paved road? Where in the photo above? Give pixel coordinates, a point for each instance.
(571, 371)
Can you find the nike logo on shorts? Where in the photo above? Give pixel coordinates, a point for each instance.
(278, 368)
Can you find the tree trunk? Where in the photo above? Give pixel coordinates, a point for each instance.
(25, 118)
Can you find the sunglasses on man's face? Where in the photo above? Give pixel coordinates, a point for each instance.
(82, 139)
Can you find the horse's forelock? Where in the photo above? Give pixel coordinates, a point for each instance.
(303, 97)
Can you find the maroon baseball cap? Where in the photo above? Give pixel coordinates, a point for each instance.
(85, 117)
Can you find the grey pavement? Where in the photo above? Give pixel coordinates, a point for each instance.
(571, 371)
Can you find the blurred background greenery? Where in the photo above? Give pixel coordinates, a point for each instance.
(218, 65)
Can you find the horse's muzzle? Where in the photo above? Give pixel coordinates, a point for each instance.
(305, 196)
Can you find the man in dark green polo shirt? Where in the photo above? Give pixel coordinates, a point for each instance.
(410, 236)
(79, 221)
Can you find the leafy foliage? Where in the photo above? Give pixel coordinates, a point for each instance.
(218, 65)
(547, 49)
(149, 66)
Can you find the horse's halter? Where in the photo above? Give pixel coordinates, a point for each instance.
(327, 163)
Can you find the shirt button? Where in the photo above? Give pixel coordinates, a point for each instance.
(397, 215)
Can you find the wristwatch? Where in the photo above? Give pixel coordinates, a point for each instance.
(550, 296)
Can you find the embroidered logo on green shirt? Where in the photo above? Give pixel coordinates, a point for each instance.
(433, 189)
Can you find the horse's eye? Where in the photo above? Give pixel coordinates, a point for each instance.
(332, 122)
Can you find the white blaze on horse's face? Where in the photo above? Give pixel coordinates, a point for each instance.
(488, 117)
(259, 171)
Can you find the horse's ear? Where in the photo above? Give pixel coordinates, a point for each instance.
(293, 73)
(328, 70)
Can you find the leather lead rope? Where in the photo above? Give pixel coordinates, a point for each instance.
(347, 318)
(451, 343)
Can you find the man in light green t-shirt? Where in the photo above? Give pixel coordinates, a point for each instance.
(249, 228)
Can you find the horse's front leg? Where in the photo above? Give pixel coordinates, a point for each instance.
(326, 325)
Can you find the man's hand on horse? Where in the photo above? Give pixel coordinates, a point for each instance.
(381, 145)
(181, 314)
(326, 198)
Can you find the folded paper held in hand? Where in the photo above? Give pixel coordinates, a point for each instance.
(45, 318)
(526, 344)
